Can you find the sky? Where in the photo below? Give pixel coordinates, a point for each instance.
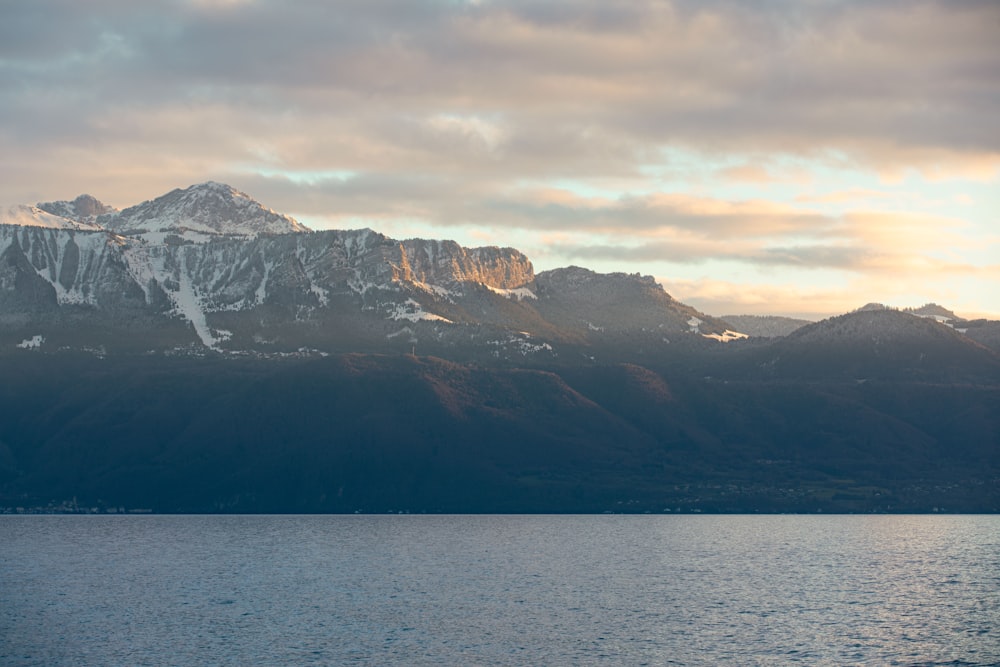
(799, 157)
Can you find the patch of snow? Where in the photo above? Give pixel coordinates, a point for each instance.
(941, 319)
(519, 345)
(407, 331)
(51, 253)
(361, 286)
(186, 234)
(355, 242)
(32, 216)
(188, 304)
(726, 336)
(594, 327)
(321, 293)
(442, 292)
(412, 311)
(139, 266)
(147, 264)
(261, 292)
(694, 323)
(32, 343)
(519, 293)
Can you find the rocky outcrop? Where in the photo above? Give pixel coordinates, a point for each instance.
(444, 262)
(218, 286)
(212, 208)
(208, 264)
(601, 303)
(85, 209)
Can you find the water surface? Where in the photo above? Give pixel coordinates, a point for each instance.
(499, 590)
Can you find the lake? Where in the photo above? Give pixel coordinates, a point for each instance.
(500, 590)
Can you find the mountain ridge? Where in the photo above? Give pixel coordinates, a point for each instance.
(208, 208)
(244, 278)
(209, 267)
(205, 370)
(84, 209)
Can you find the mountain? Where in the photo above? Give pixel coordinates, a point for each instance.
(934, 311)
(330, 290)
(208, 267)
(877, 344)
(209, 208)
(984, 332)
(377, 433)
(200, 353)
(33, 216)
(84, 209)
(586, 303)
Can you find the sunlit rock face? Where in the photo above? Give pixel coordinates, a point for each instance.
(440, 262)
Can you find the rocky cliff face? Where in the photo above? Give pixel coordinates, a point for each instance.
(209, 267)
(74, 268)
(334, 290)
(586, 301)
(299, 278)
(446, 262)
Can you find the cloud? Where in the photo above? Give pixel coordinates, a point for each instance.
(873, 243)
(892, 85)
(843, 196)
(510, 116)
(722, 297)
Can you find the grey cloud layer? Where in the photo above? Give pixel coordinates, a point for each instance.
(461, 113)
(787, 75)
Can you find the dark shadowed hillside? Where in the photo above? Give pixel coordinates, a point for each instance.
(380, 433)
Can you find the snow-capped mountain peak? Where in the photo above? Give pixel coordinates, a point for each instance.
(84, 209)
(210, 208)
(33, 216)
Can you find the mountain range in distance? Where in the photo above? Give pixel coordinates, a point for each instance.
(208, 267)
(201, 352)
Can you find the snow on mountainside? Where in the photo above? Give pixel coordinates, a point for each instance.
(930, 311)
(872, 326)
(33, 216)
(209, 266)
(327, 291)
(84, 208)
(210, 208)
(934, 311)
(61, 268)
(259, 289)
